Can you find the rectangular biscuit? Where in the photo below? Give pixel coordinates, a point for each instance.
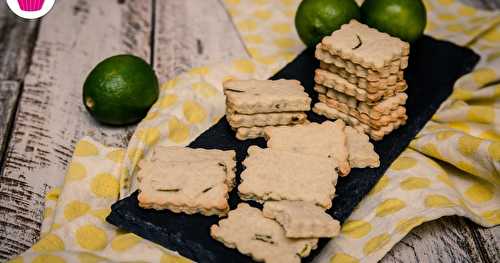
(361, 152)
(302, 219)
(362, 82)
(383, 120)
(185, 154)
(265, 119)
(188, 187)
(272, 174)
(365, 46)
(393, 82)
(375, 134)
(263, 239)
(355, 69)
(265, 96)
(327, 139)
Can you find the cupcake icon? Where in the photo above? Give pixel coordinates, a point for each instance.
(31, 5)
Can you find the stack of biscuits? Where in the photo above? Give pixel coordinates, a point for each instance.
(253, 105)
(361, 80)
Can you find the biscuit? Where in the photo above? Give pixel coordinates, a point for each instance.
(327, 139)
(363, 83)
(382, 120)
(272, 174)
(375, 134)
(371, 75)
(365, 46)
(245, 133)
(302, 219)
(184, 154)
(265, 119)
(361, 152)
(263, 239)
(188, 187)
(264, 96)
(392, 82)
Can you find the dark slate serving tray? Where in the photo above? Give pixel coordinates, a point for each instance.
(434, 67)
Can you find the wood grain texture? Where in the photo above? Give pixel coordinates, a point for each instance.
(9, 92)
(73, 38)
(192, 33)
(17, 39)
(448, 239)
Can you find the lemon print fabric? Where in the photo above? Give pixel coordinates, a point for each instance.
(451, 167)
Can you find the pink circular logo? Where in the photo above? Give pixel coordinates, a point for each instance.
(30, 9)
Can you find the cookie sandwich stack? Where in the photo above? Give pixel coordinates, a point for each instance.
(253, 105)
(361, 79)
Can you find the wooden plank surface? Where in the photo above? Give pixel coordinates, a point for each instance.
(9, 92)
(186, 36)
(73, 37)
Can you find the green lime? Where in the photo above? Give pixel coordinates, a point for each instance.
(405, 19)
(316, 19)
(120, 90)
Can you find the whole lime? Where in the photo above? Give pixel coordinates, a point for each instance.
(120, 90)
(316, 19)
(405, 19)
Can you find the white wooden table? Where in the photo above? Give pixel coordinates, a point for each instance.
(43, 65)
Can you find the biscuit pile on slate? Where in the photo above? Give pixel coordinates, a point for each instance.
(253, 105)
(361, 80)
(295, 179)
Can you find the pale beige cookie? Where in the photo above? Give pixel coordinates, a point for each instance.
(327, 139)
(302, 219)
(355, 69)
(363, 82)
(361, 152)
(375, 134)
(272, 174)
(365, 46)
(382, 120)
(263, 239)
(264, 96)
(188, 187)
(265, 119)
(245, 133)
(185, 154)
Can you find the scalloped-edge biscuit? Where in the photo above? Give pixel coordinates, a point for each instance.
(383, 120)
(272, 174)
(393, 82)
(264, 96)
(375, 134)
(361, 152)
(265, 119)
(327, 139)
(366, 46)
(185, 154)
(187, 187)
(370, 75)
(302, 219)
(263, 239)
(363, 83)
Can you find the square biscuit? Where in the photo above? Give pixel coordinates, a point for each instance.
(272, 174)
(237, 120)
(366, 46)
(185, 154)
(264, 96)
(263, 239)
(327, 140)
(302, 219)
(189, 187)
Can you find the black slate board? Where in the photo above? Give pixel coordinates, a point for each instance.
(434, 67)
